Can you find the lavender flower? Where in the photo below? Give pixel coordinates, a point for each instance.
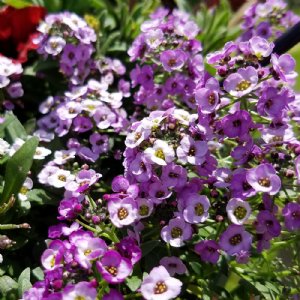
(160, 284)
(264, 179)
(234, 239)
(208, 251)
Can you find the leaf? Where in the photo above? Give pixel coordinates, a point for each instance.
(147, 247)
(40, 197)
(197, 268)
(17, 3)
(17, 168)
(133, 283)
(24, 282)
(7, 284)
(38, 273)
(12, 128)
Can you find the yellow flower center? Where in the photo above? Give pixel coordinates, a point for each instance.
(176, 232)
(240, 212)
(264, 181)
(243, 85)
(235, 240)
(199, 210)
(160, 154)
(144, 210)
(112, 270)
(122, 213)
(160, 288)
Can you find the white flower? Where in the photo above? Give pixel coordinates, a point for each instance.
(238, 211)
(27, 185)
(61, 157)
(4, 147)
(60, 178)
(41, 153)
(161, 153)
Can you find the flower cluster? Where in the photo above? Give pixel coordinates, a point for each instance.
(10, 85)
(170, 58)
(68, 37)
(76, 257)
(267, 20)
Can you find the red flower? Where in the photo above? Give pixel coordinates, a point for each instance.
(17, 30)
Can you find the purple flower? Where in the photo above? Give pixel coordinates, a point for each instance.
(159, 192)
(272, 103)
(172, 59)
(196, 210)
(113, 295)
(208, 97)
(234, 239)
(291, 214)
(238, 211)
(122, 211)
(242, 82)
(260, 47)
(81, 290)
(208, 251)
(174, 265)
(113, 267)
(237, 124)
(129, 249)
(283, 65)
(267, 224)
(160, 285)
(140, 168)
(53, 256)
(89, 249)
(145, 207)
(263, 178)
(174, 175)
(176, 232)
(55, 45)
(192, 151)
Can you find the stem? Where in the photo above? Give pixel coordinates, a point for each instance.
(12, 226)
(138, 295)
(86, 226)
(229, 104)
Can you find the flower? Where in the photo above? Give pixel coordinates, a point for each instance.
(234, 239)
(81, 290)
(238, 211)
(160, 153)
(237, 124)
(192, 151)
(196, 210)
(113, 267)
(291, 214)
(267, 224)
(263, 178)
(27, 185)
(122, 211)
(242, 82)
(174, 265)
(160, 285)
(260, 47)
(172, 59)
(89, 249)
(113, 295)
(176, 232)
(208, 251)
(17, 30)
(283, 66)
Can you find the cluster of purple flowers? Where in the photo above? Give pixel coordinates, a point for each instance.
(268, 19)
(170, 58)
(10, 86)
(68, 37)
(74, 259)
(224, 161)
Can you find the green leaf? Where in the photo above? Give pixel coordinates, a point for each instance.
(13, 128)
(17, 168)
(40, 197)
(7, 284)
(24, 282)
(133, 283)
(147, 247)
(197, 268)
(17, 3)
(38, 273)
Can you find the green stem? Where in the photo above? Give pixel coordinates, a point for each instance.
(86, 226)
(12, 226)
(138, 295)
